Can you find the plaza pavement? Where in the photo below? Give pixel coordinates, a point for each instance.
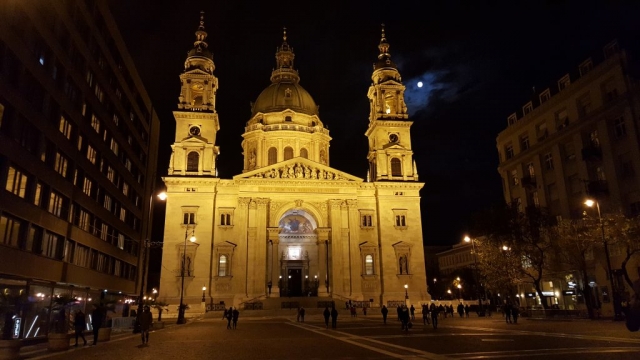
(281, 337)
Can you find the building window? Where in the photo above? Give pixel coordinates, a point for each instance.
(527, 108)
(287, 118)
(114, 146)
(593, 138)
(272, 155)
(304, 153)
(111, 174)
(189, 218)
(288, 153)
(61, 164)
(222, 265)
(524, 142)
(396, 167)
(564, 82)
(509, 151)
(585, 67)
(95, 123)
(366, 221)
(514, 177)
(16, 182)
(548, 161)
(192, 161)
(91, 154)
(107, 202)
(619, 128)
(83, 220)
(125, 189)
(512, 119)
(9, 231)
(401, 221)
(51, 245)
(600, 175)
(65, 127)
(609, 91)
(226, 217)
(368, 265)
(56, 204)
(517, 204)
(87, 185)
(544, 96)
(584, 105)
(531, 170)
(562, 119)
(535, 199)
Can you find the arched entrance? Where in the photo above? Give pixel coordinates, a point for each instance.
(299, 254)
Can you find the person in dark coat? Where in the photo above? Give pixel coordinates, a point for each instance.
(79, 323)
(507, 313)
(235, 316)
(425, 315)
(461, 310)
(404, 318)
(224, 315)
(326, 315)
(441, 310)
(229, 317)
(384, 312)
(334, 317)
(399, 312)
(97, 317)
(451, 310)
(412, 310)
(146, 319)
(515, 311)
(434, 315)
(302, 311)
(466, 310)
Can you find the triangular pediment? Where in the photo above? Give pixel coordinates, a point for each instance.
(196, 72)
(391, 82)
(393, 146)
(298, 168)
(192, 140)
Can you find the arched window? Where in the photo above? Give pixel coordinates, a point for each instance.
(304, 153)
(192, 161)
(222, 265)
(273, 156)
(287, 118)
(288, 153)
(368, 265)
(396, 167)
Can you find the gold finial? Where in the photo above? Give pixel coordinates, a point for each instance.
(201, 27)
(383, 37)
(284, 33)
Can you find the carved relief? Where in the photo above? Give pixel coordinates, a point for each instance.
(244, 201)
(299, 203)
(299, 171)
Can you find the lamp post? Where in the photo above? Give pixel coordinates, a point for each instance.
(449, 292)
(616, 304)
(204, 288)
(475, 272)
(146, 243)
(406, 294)
(181, 319)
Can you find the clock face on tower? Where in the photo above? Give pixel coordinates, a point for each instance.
(194, 130)
(393, 138)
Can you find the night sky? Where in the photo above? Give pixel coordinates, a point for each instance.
(479, 63)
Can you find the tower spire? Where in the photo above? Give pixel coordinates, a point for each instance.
(200, 44)
(284, 70)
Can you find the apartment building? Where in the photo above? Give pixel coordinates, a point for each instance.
(78, 148)
(574, 141)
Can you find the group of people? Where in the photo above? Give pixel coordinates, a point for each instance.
(511, 313)
(230, 315)
(334, 317)
(145, 320)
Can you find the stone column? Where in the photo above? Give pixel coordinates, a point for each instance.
(240, 265)
(335, 273)
(354, 249)
(259, 263)
(323, 251)
(274, 238)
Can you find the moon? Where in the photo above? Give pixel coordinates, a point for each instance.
(419, 84)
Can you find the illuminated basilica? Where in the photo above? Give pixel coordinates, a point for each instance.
(290, 225)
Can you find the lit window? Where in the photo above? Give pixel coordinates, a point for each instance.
(65, 127)
(396, 167)
(16, 182)
(222, 265)
(95, 123)
(91, 154)
(368, 265)
(61, 164)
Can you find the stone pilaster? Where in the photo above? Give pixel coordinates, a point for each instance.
(240, 257)
(274, 240)
(323, 252)
(355, 265)
(335, 220)
(259, 263)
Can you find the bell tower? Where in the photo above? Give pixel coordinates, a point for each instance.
(194, 151)
(390, 156)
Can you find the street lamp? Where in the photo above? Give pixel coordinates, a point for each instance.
(406, 294)
(616, 304)
(460, 291)
(449, 292)
(146, 243)
(192, 238)
(204, 288)
(475, 273)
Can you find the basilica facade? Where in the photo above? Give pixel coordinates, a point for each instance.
(290, 224)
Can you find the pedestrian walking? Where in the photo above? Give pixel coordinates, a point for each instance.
(326, 315)
(302, 311)
(145, 320)
(235, 316)
(229, 317)
(298, 315)
(354, 313)
(399, 312)
(451, 310)
(97, 317)
(434, 315)
(405, 318)
(79, 323)
(412, 310)
(466, 310)
(442, 311)
(461, 310)
(425, 315)
(224, 315)
(507, 313)
(364, 310)
(384, 312)
(334, 317)
(515, 311)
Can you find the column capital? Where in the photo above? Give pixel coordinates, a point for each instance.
(335, 203)
(273, 234)
(352, 203)
(244, 201)
(323, 233)
(262, 202)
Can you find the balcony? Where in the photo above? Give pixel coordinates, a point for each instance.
(597, 187)
(591, 152)
(529, 181)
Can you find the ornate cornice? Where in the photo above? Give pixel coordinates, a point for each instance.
(190, 180)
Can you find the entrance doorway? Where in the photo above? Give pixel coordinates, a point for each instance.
(294, 282)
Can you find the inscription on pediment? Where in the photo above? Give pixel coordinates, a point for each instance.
(299, 171)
